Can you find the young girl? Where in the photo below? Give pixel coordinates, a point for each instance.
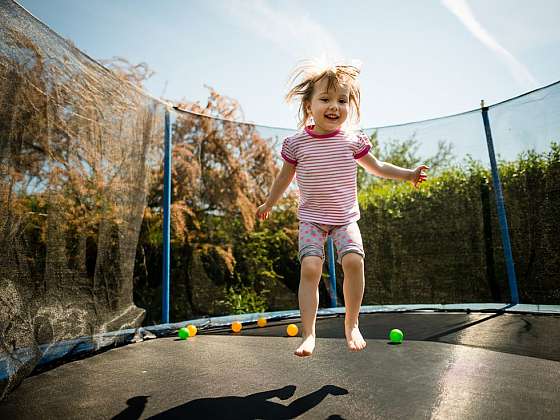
(323, 158)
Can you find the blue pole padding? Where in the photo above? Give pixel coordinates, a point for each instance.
(166, 218)
(501, 210)
(332, 271)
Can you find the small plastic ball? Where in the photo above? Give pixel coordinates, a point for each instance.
(184, 333)
(261, 322)
(396, 336)
(192, 330)
(292, 330)
(236, 326)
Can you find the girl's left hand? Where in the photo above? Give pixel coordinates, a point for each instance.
(418, 176)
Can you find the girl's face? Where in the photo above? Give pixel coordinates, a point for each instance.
(328, 108)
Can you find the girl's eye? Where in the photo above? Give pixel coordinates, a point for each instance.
(342, 101)
(324, 100)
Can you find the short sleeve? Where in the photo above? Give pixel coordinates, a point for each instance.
(288, 153)
(361, 145)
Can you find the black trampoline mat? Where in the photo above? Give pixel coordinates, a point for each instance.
(254, 374)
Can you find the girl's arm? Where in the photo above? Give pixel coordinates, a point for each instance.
(387, 170)
(279, 185)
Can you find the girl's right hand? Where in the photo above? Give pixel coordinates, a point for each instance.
(263, 211)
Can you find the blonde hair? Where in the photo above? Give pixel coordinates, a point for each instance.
(309, 72)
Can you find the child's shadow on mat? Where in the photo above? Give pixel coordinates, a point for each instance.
(249, 407)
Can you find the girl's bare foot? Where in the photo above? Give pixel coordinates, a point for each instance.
(354, 338)
(306, 347)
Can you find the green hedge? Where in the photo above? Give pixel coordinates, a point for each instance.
(442, 243)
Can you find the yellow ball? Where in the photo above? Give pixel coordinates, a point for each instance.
(261, 322)
(236, 326)
(192, 330)
(292, 330)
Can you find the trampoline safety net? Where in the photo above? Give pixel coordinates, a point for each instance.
(81, 174)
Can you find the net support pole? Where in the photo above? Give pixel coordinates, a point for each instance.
(332, 271)
(166, 218)
(500, 208)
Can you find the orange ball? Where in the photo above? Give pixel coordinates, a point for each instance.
(236, 326)
(261, 322)
(192, 330)
(292, 330)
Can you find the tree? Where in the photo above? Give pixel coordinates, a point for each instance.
(405, 153)
(221, 170)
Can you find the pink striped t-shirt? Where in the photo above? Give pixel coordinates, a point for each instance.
(326, 171)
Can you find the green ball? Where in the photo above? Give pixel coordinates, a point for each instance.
(184, 333)
(396, 336)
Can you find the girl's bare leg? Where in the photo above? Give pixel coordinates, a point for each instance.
(308, 296)
(353, 288)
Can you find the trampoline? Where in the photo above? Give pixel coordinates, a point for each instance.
(454, 363)
(88, 279)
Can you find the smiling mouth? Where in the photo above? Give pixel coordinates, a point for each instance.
(331, 117)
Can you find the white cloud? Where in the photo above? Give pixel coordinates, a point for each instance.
(461, 9)
(286, 26)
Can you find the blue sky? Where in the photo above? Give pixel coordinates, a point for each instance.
(420, 58)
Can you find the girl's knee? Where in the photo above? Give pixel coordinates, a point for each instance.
(352, 260)
(311, 267)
